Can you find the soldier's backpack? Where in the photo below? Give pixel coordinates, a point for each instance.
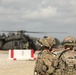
(40, 68)
(67, 64)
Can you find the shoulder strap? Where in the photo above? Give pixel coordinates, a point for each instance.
(62, 53)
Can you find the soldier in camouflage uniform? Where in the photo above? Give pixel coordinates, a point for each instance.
(67, 58)
(46, 62)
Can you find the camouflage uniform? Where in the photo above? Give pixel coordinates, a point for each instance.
(67, 58)
(27, 45)
(50, 61)
(46, 62)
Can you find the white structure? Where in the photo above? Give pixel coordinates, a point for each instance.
(21, 54)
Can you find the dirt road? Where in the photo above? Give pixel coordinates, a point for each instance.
(15, 67)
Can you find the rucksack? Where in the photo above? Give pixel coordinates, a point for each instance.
(67, 62)
(40, 68)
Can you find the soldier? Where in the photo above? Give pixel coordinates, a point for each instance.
(27, 45)
(67, 58)
(46, 62)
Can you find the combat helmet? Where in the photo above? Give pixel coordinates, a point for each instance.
(69, 41)
(48, 42)
(44, 42)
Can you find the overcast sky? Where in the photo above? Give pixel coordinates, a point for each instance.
(39, 15)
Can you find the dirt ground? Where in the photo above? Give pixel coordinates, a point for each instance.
(15, 67)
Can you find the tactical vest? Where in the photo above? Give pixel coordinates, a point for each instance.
(67, 63)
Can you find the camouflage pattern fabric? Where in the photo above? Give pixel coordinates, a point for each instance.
(49, 41)
(40, 68)
(69, 41)
(45, 64)
(44, 42)
(27, 45)
(50, 61)
(67, 63)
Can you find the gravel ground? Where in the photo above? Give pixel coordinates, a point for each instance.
(15, 67)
